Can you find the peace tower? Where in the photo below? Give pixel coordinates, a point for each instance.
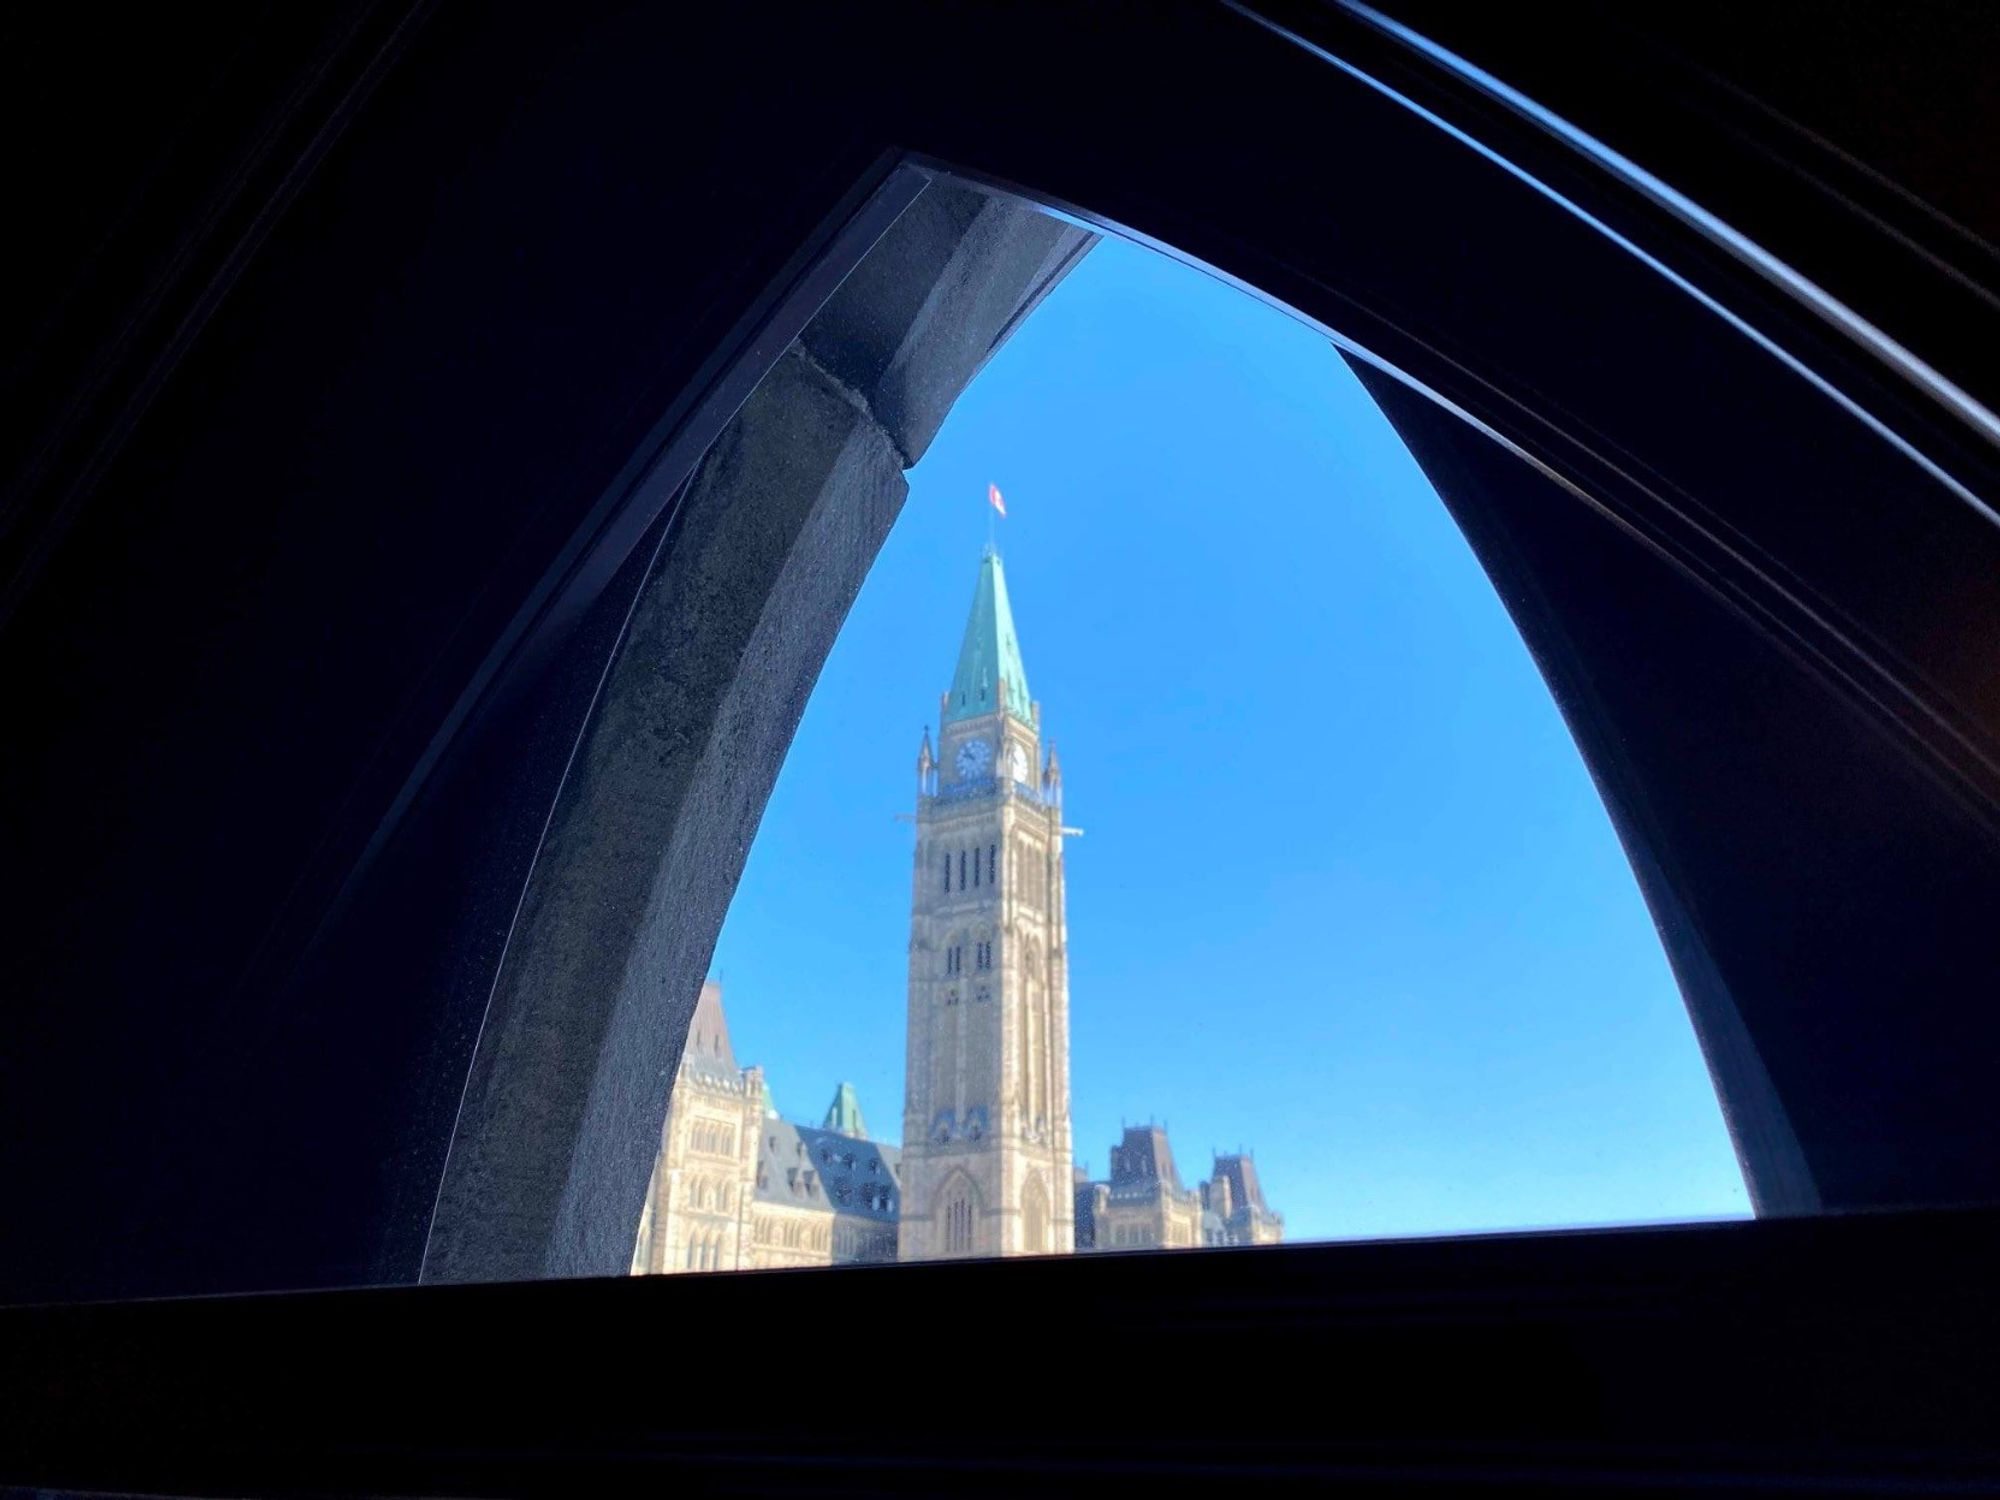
(986, 1166)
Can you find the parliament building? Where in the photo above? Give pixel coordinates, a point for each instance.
(987, 1165)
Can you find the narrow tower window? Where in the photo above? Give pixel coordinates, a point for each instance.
(961, 869)
(958, 1226)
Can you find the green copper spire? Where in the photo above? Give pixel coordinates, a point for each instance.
(990, 674)
(844, 1114)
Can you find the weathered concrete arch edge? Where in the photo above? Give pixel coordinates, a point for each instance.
(771, 541)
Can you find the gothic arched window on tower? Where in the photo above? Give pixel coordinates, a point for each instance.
(1034, 1216)
(957, 1218)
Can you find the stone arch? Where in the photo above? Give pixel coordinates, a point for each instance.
(565, 1198)
(772, 535)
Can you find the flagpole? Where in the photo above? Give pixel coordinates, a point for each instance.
(994, 501)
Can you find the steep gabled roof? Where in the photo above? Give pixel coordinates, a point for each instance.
(819, 1169)
(1240, 1171)
(1144, 1156)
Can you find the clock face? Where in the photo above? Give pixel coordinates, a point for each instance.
(974, 756)
(1017, 762)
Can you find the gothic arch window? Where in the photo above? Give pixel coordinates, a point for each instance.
(955, 1217)
(961, 869)
(947, 872)
(1034, 1215)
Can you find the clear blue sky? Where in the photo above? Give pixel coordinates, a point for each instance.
(1346, 895)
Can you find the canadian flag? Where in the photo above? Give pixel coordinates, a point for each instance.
(993, 495)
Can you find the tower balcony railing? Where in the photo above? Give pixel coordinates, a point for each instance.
(988, 786)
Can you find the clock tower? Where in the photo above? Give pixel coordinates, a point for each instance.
(986, 1127)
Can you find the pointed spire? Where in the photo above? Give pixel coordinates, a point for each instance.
(925, 760)
(708, 1031)
(844, 1114)
(990, 675)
